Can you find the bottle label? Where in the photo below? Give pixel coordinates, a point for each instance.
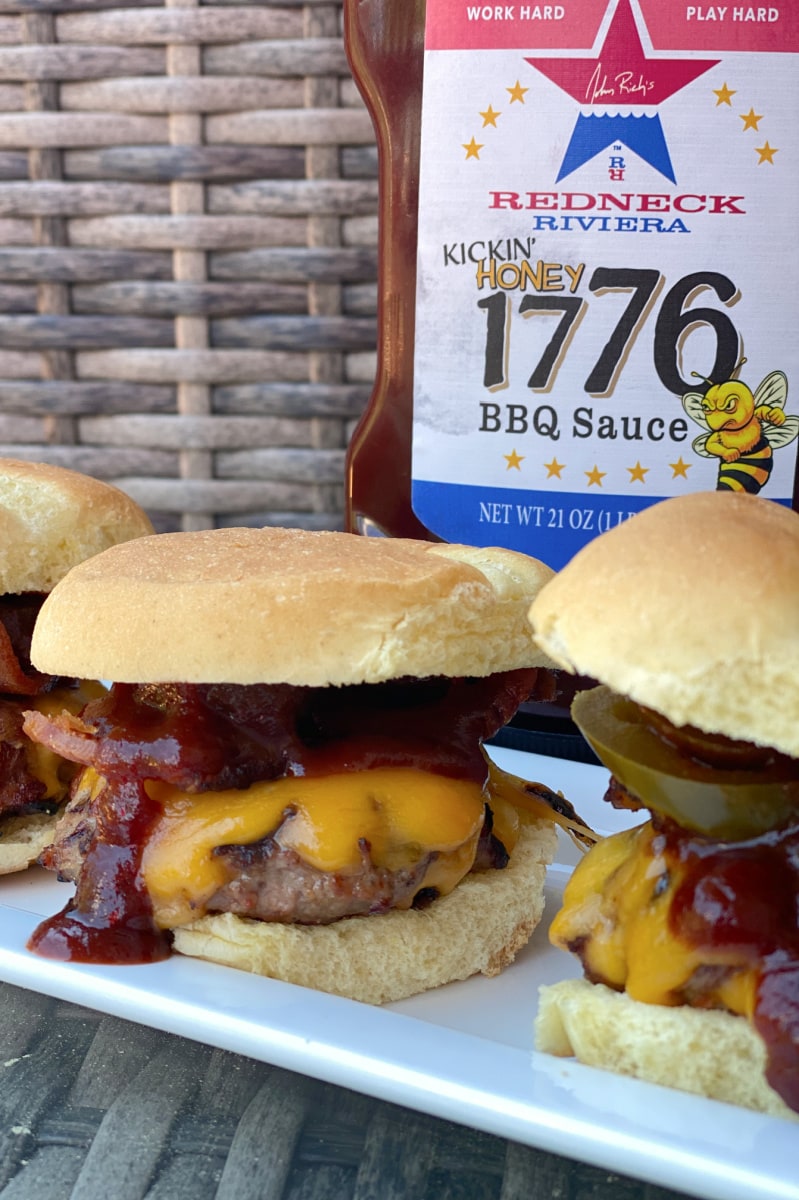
(607, 279)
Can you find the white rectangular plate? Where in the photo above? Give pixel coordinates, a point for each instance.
(462, 1052)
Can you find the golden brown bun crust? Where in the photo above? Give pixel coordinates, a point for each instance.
(705, 1051)
(289, 606)
(692, 608)
(477, 929)
(51, 519)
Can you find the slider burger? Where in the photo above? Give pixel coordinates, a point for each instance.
(287, 774)
(50, 520)
(686, 926)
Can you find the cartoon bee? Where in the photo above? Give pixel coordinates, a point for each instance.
(743, 428)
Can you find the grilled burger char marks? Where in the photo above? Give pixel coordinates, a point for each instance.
(212, 737)
(273, 883)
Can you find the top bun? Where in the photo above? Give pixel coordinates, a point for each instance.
(690, 608)
(51, 519)
(289, 606)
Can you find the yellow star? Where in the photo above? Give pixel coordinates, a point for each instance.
(595, 477)
(724, 95)
(766, 153)
(680, 468)
(638, 473)
(473, 148)
(751, 119)
(554, 468)
(490, 117)
(514, 460)
(517, 92)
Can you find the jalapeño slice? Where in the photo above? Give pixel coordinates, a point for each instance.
(708, 785)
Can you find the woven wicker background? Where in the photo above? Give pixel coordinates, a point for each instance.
(188, 233)
(96, 1108)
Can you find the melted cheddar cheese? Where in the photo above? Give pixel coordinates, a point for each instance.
(402, 813)
(44, 764)
(615, 915)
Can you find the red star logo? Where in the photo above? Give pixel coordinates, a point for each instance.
(622, 76)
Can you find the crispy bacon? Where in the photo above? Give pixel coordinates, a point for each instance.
(17, 618)
(20, 791)
(169, 732)
(73, 738)
(212, 737)
(13, 679)
(618, 796)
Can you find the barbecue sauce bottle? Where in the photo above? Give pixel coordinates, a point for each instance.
(581, 308)
(385, 46)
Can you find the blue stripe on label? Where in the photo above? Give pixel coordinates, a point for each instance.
(551, 527)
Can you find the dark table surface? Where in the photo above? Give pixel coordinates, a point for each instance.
(97, 1108)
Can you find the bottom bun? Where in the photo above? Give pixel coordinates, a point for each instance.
(709, 1052)
(478, 928)
(22, 840)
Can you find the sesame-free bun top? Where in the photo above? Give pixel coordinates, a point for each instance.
(51, 519)
(691, 608)
(289, 606)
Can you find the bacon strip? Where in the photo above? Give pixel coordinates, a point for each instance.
(20, 791)
(212, 737)
(17, 617)
(12, 678)
(67, 735)
(166, 732)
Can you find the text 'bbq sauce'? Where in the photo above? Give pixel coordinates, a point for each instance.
(577, 313)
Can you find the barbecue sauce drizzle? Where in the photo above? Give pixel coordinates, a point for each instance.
(741, 897)
(207, 737)
(110, 918)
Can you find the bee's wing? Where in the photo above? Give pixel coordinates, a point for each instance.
(698, 445)
(781, 435)
(773, 390)
(692, 403)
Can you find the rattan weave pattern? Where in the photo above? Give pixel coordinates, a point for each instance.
(97, 1108)
(188, 229)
